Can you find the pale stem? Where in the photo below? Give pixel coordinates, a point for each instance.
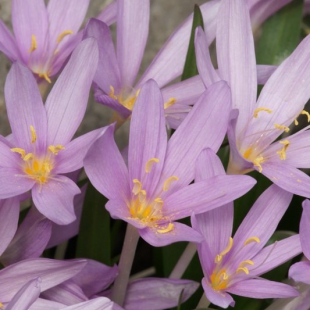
(183, 261)
(125, 264)
(61, 250)
(203, 302)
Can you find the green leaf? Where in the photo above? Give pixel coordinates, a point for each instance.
(94, 238)
(280, 35)
(190, 67)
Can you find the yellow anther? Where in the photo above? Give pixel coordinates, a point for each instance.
(55, 149)
(137, 186)
(138, 92)
(296, 122)
(246, 262)
(28, 157)
(251, 239)
(63, 34)
(256, 111)
(282, 127)
(149, 164)
(282, 152)
(19, 151)
(247, 153)
(159, 203)
(142, 195)
(33, 134)
(45, 76)
(228, 248)
(218, 258)
(243, 269)
(47, 167)
(33, 46)
(169, 103)
(257, 163)
(168, 182)
(111, 94)
(306, 113)
(167, 229)
(224, 276)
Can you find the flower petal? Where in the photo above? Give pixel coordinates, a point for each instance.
(108, 14)
(300, 272)
(264, 72)
(54, 199)
(98, 303)
(67, 101)
(304, 228)
(8, 43)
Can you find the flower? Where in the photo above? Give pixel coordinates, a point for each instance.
(153, 192)
(39, 150)
(281, 101)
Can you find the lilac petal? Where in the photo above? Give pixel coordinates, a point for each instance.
(264, 72)
(219, 298)
(61, 233)
(26, 296)
(147, 137)
(106, 169)
(7, 158)
(204, 63)
(285, 93)
(205, 126)
(34, 227)
(154, 293)
(174, 120)
(51, 272)
(14, 183)
(287, 177)
(304, 228)
(8, 43)
(169, 62)
(108, 14)
(206, 195)
(25, 108)
(95, 277)
(300, 272)
(236, 57)
(9, 214)
(67, 101)
(275, 255)
(99, 303)
(108, 71)
(261, 288)
(30, 19)
(132, 32)
(40, 304)
(179, 232)
(71, 158)
(261, 222)
(54, 199)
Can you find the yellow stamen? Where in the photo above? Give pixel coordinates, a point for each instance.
(111, 94)
(246, 262)
(33, 134)
(63, 34)
(168, 182)
(33, 46)
(137, 186)
(47, 167)
(169, 103)
(247, 153)
(257, 163)
(28, 156)
(306, 113)
(251, 239)
(296, 122)
(282, 127)
(45, 76)
(159, 203)
(19, 151)
(282, 152)
(142, 195)
(219, 257)
(55, 149)
(149, 164)
(243, 269)
(167, 229)
(256, 111)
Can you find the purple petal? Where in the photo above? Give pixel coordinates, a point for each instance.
(179, 232)
(26, 296)
(264, 72)
(7, 158)
(108, 15)
(67, 101)
(153, 293)
(261, 288)
(147, 137)
(106, 169)
(99, 303)
(108, 71)
(236, 57)
(25, 108)
(132, 33)
(204, 63)
(40, 304)
(54, 199)
(8, 43)
(304, 228)
(300, 272)
(205, 126)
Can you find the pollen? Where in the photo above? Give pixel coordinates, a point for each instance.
(169, 103)
(19, 151)
(306, 113)
(168, 182)
(149, 164)
(55, 149)
(63, 34)
(282, 127)
(282, 152)
(33, 46)
(256, 111)
(33, 134)
(251, 239)
(258, 163)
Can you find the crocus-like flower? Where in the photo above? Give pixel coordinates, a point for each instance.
(281, 101)
(232, 265)
(154, 193)
(45, 36)
(39, 150)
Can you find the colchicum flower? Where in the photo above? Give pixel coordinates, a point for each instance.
(39, 150)
(154, 191)
(233, 265)
(281, 102)
(45, 36)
